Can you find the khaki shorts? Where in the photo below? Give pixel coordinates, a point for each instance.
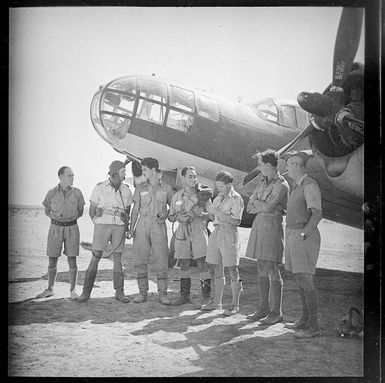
(104, 233)
(301, 255)
(57, 235)
(223, 245)
(195, 246)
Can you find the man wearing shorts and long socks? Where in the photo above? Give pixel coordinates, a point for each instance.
(302, 242)
(265, 244)
(223, 244)
(64, 204)
(190, 236)
(110, 205)
(149, 231)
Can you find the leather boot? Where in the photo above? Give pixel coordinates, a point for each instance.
(236, 289)
(185, 287)
(264, 309)
(143, 288)
(206, 291)
(275, 316)
(219, 285)
(118, 280)
(162, 291)
(89, 280)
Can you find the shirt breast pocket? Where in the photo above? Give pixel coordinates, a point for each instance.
(145, 198)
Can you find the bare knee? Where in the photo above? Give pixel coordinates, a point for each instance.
(71, 262)
(201, 263)
(305, 280)
(52, 262)
(234, 273)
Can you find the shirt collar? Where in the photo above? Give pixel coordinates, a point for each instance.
(58, 187)
(301, 179)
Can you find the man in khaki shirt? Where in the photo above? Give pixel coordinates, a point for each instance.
(223, 244)
(110, 205)
(149, 230)
(64, 204)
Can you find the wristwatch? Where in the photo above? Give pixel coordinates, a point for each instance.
(302, 235)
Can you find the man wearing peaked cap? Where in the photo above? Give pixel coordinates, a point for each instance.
(110, 205)
(302, 240)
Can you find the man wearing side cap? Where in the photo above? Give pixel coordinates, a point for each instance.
(64, 204)
(148, 229)
(302, 243)
(110, 205)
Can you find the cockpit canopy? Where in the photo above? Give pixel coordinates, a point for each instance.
(158, 102)
(282, 112)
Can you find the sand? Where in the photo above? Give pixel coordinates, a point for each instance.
(105, 338)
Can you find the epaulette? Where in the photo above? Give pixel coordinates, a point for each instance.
(99, 183)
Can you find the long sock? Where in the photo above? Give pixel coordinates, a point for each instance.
(73, 272)
(305, 313)
(51, 277)
(264, 288)
(311, 301)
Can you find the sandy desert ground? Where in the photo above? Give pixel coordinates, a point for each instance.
(103, 337)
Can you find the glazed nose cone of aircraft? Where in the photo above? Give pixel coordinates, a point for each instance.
(113, 107)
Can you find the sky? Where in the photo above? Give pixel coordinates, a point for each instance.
(58, 57)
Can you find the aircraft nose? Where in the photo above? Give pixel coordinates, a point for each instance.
(112, 108)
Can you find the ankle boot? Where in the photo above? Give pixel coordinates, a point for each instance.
(89, 280)
(143, 288)
(236, 289)
(118, 281)
(275, 315)
(185, 287)
(219, 285)
(162, 291)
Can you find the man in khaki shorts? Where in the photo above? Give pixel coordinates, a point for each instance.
(110, 205)
(190, 236)
(223, 244)
(302, 242)
(64, 204)
(149, 230)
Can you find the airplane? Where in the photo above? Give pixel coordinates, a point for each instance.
(146, 116)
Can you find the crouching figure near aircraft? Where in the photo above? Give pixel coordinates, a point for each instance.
(189, 207)
(268, 201)
(223, 248)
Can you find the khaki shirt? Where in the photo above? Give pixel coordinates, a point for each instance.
(64, 206)
(113, 202)
(305, 195)
(183, 201)
(230, 204)
(152, 200)
(265, 192)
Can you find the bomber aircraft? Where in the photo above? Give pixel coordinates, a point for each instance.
(146, 116)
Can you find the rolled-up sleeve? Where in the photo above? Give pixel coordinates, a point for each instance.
(95, 195)
(312, 195)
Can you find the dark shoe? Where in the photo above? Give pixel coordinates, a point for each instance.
(164, 300)
(257, 315)
(119, 295)
(140, 298)
(307, 333)
(183, 299)
(297, 325)
(211, 306)
(231, 311)
(84, 297)
(271, 319)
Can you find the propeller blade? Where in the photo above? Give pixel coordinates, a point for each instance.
(297, 139)
(347, 40)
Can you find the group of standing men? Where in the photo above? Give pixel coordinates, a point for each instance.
(155, 201)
